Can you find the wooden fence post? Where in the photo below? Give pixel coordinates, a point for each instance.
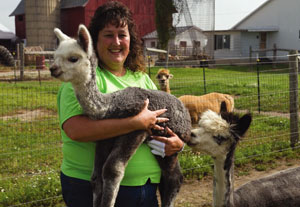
(21, 61)
(293, 79)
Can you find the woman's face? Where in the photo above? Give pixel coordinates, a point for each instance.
(113, 46)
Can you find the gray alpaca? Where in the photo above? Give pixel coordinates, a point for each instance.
(218, 136)
(75, 62)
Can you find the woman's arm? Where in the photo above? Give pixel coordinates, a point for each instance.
(83, 129)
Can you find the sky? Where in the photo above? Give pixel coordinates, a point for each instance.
(228, 12)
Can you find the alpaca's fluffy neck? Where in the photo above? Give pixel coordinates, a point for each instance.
(223, 182)
(165, 88)
(93, 102)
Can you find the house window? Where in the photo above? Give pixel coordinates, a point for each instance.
(182, 44)
(222, 42)
(152, 44)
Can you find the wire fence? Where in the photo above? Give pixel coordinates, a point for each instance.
(30, 153)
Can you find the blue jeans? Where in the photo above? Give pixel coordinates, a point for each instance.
(78, 193)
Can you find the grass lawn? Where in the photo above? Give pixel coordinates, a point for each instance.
(30, 150)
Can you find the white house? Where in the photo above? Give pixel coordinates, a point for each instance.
(189, 40)
(276, 22)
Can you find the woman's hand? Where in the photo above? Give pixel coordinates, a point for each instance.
(147, 120)
(168, 145)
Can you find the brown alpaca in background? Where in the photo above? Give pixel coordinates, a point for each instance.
(163, 76)
(196, 105)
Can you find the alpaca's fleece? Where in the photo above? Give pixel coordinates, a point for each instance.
(279, 189)
(196, 105)
(75, 62)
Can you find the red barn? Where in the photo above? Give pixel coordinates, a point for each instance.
(73, 13)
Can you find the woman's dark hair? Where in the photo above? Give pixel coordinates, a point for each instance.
(116, 13)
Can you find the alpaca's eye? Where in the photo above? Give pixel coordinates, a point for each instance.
(73, 59)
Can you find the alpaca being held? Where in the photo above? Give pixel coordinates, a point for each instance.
(218, 135)
(75, 62)
(163, 76)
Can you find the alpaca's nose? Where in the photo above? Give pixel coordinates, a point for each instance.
(53, 68)
(190, 142)
(54, 71)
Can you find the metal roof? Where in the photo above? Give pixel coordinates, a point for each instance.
(5, 33)
(20, 9)
(64, 4)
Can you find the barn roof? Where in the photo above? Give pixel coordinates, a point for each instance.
(65, 4)
(20, 9)
(179, 30)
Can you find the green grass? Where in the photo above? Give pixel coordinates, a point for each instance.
(235, 80)
(30, 152)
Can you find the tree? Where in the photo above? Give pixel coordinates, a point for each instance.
(164, 19)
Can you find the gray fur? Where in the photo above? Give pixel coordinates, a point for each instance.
(278, 190)
(112, 155)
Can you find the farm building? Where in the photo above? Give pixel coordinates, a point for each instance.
(7, 38)
(188, 40)
(35, 20)
(274, 24)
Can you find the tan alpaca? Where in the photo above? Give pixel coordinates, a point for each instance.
(196, 105)
(163, 76)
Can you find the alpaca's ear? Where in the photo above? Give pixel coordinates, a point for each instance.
(223, 107)
(60, 35)
(243, 124)
(85, 40)
(170, 76)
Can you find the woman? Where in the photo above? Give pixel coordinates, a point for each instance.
(120, 65)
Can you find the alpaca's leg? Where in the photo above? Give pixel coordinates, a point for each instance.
(171, 180)
(103, 149)
(114, 167)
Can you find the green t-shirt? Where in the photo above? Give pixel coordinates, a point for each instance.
(78, 157)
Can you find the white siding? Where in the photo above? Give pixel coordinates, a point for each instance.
(235, 45)
(281, 14)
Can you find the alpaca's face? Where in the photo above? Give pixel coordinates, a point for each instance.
(71, 61)
(213, 135)
(163, 76)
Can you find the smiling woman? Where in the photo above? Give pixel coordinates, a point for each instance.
(120, 65)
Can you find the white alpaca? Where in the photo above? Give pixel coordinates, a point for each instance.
(75, 62)
(218, 135)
